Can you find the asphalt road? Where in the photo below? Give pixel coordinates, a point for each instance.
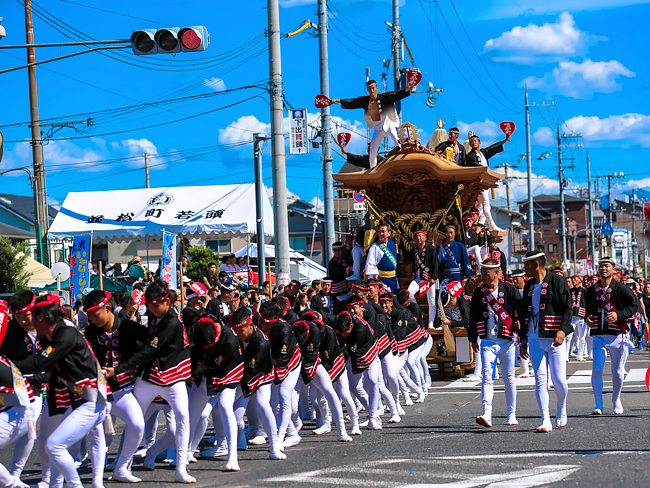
(438, 444)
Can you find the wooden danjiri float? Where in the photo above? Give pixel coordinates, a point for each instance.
(415, 184)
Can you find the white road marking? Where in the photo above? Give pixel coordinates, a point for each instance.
(636, 375)
(547, 474)
(582, 376)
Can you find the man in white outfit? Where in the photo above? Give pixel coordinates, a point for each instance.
(379, 113)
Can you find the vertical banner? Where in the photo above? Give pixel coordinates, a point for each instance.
(79, 269)
(168, 271)
(298, 131)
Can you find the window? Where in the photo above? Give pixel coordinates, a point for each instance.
(552, 248)
(298, 243)
(221, 246)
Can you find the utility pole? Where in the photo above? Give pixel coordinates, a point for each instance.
(40, 198)
(561, 177)
(259, 209)
(326, 128)
(592, 237)
(610, 203)
(505, 167)
(280, 214)
(529, 164)
(397, 72)
(634, 246)
(146, 169)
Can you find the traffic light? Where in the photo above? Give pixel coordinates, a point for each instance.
(170, 40)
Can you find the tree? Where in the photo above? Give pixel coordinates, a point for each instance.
(13, 276)
(200, 258)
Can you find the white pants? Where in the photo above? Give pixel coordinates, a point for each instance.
(13, 426)
(413, 363)
(504, 351)
(581, 330)
(323, 383)
(405, 381)
(24, 445)
(378, 135)
(262, 402)
(618, 349)
(546, 357)
(281, 396)
(126, 407)
(477, 252)
(414, 287)
(390, 374)
(342, 388)
(74, 425)
(485, 210)
(176, 396)
(426, 349)
(365, 387)
(386, 394)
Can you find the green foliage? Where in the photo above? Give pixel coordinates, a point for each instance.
(13, 275)
(200, 257)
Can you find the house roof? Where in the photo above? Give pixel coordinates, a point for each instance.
(514, 213)
(23, 206)
(552, 198)
(12, 232)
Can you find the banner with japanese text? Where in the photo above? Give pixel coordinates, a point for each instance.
(79, 269)
(168, 271)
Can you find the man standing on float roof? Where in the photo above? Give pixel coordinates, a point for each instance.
(382, 259)
(379, 113)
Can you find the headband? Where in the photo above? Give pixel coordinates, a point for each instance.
(408, 300)
(420, 231)
(534, 256)
(107, 297)
(474, 212)
(354, 303)
(245, 322)
(49, 300)
(287, 304)
(192, 295)
(208, 319)
(468, 217)
(374, 283)
(386, 299)
(342, 331)
(360, 287)
(268, 321)
(26, 308)
(517, 274)
(490, 266)
(159, 300)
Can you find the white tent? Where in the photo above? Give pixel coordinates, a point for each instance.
(309, 270)
(200, 211)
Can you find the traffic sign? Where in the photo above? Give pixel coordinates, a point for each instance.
(358, 207)
(358, 196)
(606, 229)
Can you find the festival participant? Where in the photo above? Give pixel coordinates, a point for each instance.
(411, 340)
(286, 312)
(578, 295)
(221, 307)
(65, 349)
(356, 338)
(454, 261)
(323, 300)
(546, 308)
(337, 269)
(308, 335)
(608, 305)
(114, 340)
(356, 306)
(218, 370)
(493, 317)
(379, 113)
(456, 308)
(382, 258)
(259, 373)
(18, 345)
(425, 270)
(480, 157)
(286, 362)
(405, 300)
(459, 150)
(17, 408)
(518, 280)
(163, 367)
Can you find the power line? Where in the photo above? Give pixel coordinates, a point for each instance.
(117, 13)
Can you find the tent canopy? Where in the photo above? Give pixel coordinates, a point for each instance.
(201, 211)
(107, 284)
(39, 275)
(309, 270)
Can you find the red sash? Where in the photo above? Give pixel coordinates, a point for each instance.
(609, 307)
(498, 309)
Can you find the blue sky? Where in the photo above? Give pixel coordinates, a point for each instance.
(586, 56)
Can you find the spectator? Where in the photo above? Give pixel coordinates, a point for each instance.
(310, 293)
(316, 285)
(156, 275)
(266, 288)
(456, 311)
(302, 303)
(68, 313)
(236, 301)
(208, 278)
(357, 256)
(224, 278)
(101, 267)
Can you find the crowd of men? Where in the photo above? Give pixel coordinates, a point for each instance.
(353, 353)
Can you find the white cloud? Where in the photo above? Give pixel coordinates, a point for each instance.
(217, 84)
(486, 130)
(242, 130)
(59, 154)
(318, 203)
(508, 8)
(139, 146)
(643, 183)
(548, 42)
(582, 80)
(631, 127)
(544, 136)
(519, 188)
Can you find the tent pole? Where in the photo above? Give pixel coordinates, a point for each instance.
(148, 264)
(100, 269)
(182, 287)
